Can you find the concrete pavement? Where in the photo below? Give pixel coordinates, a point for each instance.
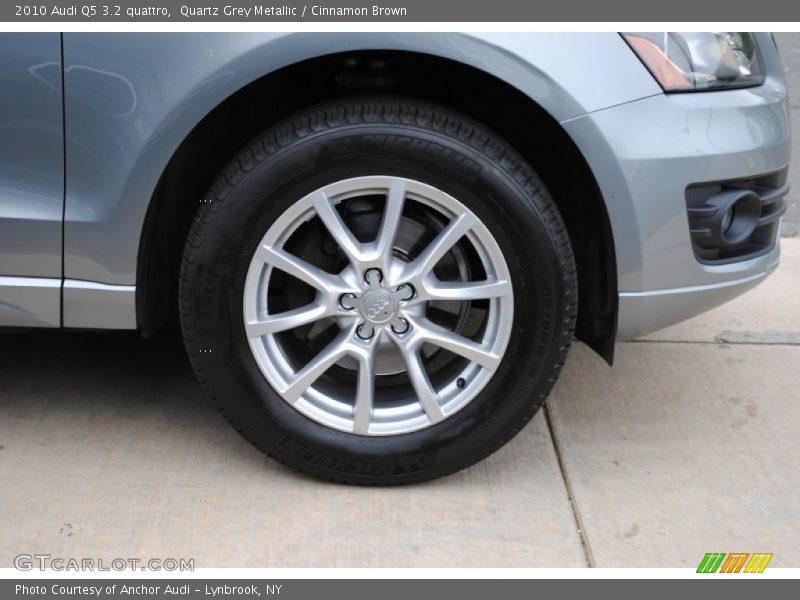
(688, 445)
(108, 448)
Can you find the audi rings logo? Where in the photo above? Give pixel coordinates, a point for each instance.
(377, 306)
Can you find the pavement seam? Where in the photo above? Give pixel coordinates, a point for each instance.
(711, 342)
(562, 467)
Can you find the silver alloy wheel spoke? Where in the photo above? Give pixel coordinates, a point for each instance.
(395, 199)
(365, 393)
(426, 394)
(462, 290)
(380, 304)
(457, 344)
(297, 267)
(323, 361)
(340, 232)
(440, 246)
(289, 319)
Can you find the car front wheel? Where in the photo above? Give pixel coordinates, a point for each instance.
(378, 290)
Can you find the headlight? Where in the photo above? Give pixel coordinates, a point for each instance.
(685, 62)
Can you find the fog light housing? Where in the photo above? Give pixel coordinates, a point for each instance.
(742, 219)
(726, 224)
(726, 219)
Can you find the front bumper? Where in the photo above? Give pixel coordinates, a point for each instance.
(644, 312)
(644, 155)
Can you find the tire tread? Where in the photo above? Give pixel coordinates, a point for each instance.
(380, 110)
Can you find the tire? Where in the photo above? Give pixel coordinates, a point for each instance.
(397, 435)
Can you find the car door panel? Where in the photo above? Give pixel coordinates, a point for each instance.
(31, 179)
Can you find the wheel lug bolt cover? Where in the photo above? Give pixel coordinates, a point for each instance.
(402, 327)
(347, 301)
(365, 332)
(373, 276)
(407, 290)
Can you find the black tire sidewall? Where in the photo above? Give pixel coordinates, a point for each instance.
(267, 178)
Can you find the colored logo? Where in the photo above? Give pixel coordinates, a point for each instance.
(735, 562)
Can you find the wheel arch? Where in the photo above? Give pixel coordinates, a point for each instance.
(530, 127)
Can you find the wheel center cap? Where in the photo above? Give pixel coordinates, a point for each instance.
(378, 306)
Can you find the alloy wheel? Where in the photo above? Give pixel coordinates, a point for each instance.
(390, 362)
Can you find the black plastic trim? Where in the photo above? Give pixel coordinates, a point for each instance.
(707, 202)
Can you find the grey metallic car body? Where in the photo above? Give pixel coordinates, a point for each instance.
(90, 122)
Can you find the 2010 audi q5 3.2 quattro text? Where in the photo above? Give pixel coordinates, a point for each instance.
(378, 247)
